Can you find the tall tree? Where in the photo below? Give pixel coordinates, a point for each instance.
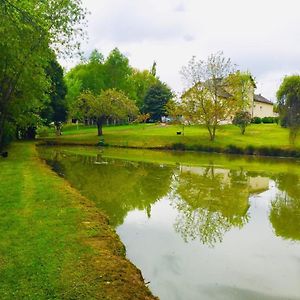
(56, 109)
(30, 28)
(156, 99)
(207, 101)
(288, 97)
(140, 82)
(117, 71)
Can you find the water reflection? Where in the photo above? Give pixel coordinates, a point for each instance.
(285, 211)
(211, 229)
(210, 202)
(116, 186)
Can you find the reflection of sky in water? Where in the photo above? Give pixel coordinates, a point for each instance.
(199, 232)
(250, 263)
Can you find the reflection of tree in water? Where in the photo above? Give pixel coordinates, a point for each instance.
(116, 186)
(210, 203)
(285, 210)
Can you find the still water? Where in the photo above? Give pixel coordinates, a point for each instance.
(198, 226)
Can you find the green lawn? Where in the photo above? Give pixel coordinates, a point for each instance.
(194, 138)
(54, 243)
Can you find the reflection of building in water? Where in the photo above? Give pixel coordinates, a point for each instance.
(256, 184)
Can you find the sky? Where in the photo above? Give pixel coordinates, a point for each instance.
(260, 36)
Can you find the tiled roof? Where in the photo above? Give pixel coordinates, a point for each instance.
(260, 98)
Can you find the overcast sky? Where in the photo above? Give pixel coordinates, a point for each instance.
(262, 36)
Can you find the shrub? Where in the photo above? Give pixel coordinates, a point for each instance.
(256, 120)
(267, 120)
(43, 131)
(242, 119)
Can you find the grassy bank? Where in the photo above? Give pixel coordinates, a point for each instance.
(54, 244)
(260, 139)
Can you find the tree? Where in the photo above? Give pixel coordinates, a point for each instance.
(56, 110)
(32, 31)
(173, 109)
(207, 101)
(241, 85)
(110, 104)
(242, 119)
(117, 71)
(288, 99)
(156, 99)
(140, 82)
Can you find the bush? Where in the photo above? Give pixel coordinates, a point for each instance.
(256, 120)
(242, 119)
(43, 131)
(267, 120)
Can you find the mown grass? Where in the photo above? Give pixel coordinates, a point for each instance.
(260, 139)
(54, 243)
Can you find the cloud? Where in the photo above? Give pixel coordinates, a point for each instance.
(260, 36)
(135, 21)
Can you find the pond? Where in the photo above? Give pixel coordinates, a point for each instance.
(198, 226)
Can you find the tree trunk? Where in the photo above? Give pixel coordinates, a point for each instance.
(57, 128)
(2, 120)
(210, 132)
(99, 126)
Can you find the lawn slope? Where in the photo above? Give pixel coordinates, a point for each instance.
(54, 244)
(259, 139)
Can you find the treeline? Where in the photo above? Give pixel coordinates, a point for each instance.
(35, 92)
(99, 74)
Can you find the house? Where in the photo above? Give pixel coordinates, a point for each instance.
(262, 107)
(259, 106)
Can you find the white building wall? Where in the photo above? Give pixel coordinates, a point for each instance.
(262, 110)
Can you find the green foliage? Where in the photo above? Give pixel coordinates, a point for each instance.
(207, 101)
(43, 131)
(156, 99)
(268, 120)
(140, 83)
(173, 110)
(241, 85)
(109, 105)
(56, 110)
(31, 33)
(117, 71)
(288, 99)
(242, 119)
(256, 120)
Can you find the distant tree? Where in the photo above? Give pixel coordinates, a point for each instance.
(117, 71)
(242, 119)
(173, 110)
(90, 74)
(140, 82)
(156, 99)
(110, 104)
(288, 99)
(241, 85)
(142, 118)
(206, 101)
(74, 89)
(56, 109)
(153, 69)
